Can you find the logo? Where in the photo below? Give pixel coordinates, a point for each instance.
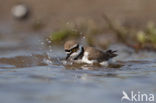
(137, 96)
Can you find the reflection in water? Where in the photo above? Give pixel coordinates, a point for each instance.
(43, 79)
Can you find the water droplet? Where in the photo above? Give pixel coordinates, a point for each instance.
(42, 43)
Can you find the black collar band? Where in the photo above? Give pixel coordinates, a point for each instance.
(80, 54)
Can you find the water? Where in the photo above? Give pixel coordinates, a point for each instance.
(37, 75)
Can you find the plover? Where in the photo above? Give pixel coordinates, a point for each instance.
(89, 55)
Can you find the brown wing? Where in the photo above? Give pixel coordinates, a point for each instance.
(95, 54)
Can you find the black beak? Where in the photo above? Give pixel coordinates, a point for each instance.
(68, 55)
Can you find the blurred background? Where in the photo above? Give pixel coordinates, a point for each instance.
(86, 17)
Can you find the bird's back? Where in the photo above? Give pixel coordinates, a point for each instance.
(96, 54)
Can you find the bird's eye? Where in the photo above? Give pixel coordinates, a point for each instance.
(74, 49)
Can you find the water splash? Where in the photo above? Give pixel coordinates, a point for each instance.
(51, 56)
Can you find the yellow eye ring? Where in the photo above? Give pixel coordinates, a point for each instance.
(74, 49)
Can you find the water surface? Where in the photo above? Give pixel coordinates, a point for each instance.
(37, 75)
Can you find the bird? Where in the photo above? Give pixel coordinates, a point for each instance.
(89, 55)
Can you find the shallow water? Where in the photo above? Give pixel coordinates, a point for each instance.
(30, 75)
